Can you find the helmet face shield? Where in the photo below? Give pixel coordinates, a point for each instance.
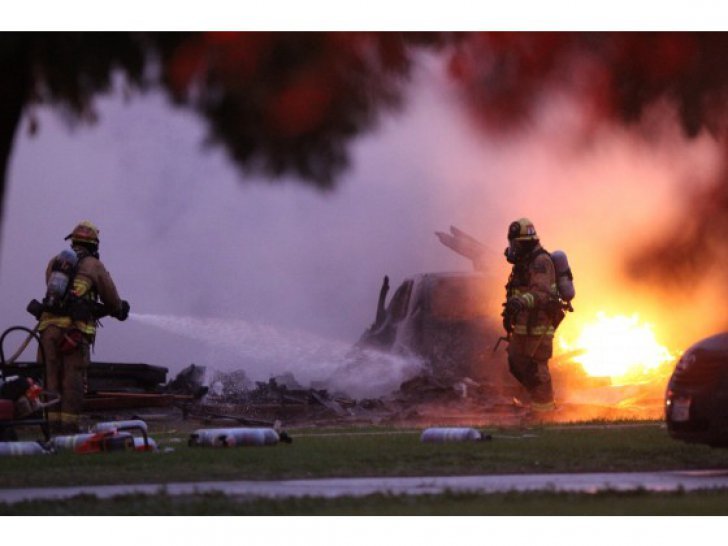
(519, 248)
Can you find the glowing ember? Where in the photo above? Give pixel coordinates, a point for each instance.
(621, 348)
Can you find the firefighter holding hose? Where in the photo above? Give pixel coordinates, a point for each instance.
(532, 311)
(68, 316)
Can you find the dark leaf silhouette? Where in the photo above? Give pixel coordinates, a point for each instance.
(288, 105)
(281, 104)
(503, 76)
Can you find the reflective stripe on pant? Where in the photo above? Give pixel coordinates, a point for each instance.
(66, 374)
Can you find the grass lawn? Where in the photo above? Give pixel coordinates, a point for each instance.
(635, 503)
(373, 452)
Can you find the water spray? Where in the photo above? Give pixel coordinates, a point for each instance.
(267, 350)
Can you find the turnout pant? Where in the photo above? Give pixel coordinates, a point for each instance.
(66, 372)
(528, 362)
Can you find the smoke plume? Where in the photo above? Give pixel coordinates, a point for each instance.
(181, 237)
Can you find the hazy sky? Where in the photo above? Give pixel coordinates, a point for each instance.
(183, 235)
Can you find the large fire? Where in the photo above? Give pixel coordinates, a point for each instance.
(620, 347)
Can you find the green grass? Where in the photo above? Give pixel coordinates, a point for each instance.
(635, 503)
(387, 452)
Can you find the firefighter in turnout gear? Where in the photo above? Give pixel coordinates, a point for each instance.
(69, 318)
(531, 313)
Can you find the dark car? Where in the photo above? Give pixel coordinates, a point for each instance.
(696, 402)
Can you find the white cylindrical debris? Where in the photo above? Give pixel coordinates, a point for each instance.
(232, 437)
(131, 424)
(93, 442)
(139, 444)
(71, 442)
(438, 435)
(23, 448)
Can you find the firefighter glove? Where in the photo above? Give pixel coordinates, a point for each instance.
(512, 308)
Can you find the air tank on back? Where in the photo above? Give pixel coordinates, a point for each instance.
(564, 277)
(61, 270)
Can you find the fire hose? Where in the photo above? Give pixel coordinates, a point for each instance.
(32, 334)
(36, 309)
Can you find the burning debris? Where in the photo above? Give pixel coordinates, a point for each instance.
(429, 357)
(427, 398)
(280, 398)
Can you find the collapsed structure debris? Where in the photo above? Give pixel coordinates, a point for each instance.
(271, 400)
(438, 330)
(232, 399)
(268, 402)
(190, 381)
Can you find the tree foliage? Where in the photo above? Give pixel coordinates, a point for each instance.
(502, 77)
(290, 104)
(279, 103)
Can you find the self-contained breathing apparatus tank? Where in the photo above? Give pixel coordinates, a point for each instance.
(57, 300)
(564, 277)
(62, 271)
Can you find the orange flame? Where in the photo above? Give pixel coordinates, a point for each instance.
(620, 347)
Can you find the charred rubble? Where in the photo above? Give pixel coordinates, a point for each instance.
(233, 397)
(442, 320)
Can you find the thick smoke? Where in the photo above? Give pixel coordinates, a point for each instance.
(183, 237)
(621, 79)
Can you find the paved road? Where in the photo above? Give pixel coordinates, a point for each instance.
(335, 487)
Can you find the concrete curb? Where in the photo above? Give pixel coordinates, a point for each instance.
(356, 487)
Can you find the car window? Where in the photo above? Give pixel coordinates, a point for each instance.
(459, 298)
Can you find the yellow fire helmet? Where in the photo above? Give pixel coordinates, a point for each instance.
(84, 232)
(522, 230)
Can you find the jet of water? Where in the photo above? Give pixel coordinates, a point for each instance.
(264, 350)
